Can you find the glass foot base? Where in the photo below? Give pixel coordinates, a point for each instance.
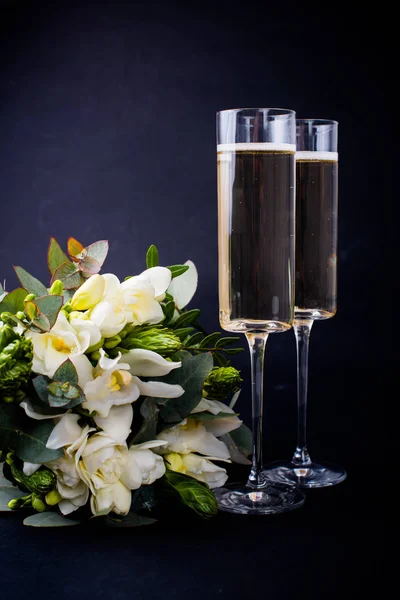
(269, 500)
(314, 476)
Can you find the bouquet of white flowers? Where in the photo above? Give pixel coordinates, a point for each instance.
(113, 399)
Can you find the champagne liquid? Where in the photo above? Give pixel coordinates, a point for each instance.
(256, 200)
(316, 237)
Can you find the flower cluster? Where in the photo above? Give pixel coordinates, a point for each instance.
(111, 394)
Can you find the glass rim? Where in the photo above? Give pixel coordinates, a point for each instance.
(318, 121)
(278, 111)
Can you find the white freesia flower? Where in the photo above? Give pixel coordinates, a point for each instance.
(51, 349)
(69, 435)
(183, 288)
(143, 294)
(198, 467)
(219, 426)
(110, 313)
(111, 471)
(84, 326)
(89, 293)
(113, 382)
(191, 436)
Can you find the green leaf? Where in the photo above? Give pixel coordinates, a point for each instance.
(220, 360)
(49, 306)
(210, 340)
(234, 399)
(41, 323)
(235, 454)
(74, 247)
(89, 266)
(98, 251)
(243, 438)
(66, 372)
(152, 257)
(207, 416)
(42, 406)
(14, 301)
(190, 376)
(194, 494)
(27, 437)
(148, 429)
(232, 351)
(130, 520)
(49, 519)
(1, 289)
(186, 318)
(193, 339)
(40, 383)
(182, 333)
(55, 255)
(177, 270)
(144, 498)
(9, 493)
(168, 310)
(30, 283)
(69, 274)
(227, 341)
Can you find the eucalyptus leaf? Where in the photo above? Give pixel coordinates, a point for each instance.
(9, 493)
(186, 318)
(49, 519)
(148, 428)
(55, 255)
(66, 372)
(50, 307)
(69, 274)
(177, 270)
(152, 257)
(40, 383)
(42, 323)
(130, 520)
(236, 455)
(98, 251)
(14, 301)
(30, 283)
(190, 376)
(74, 247)
(27, 437)
(89, 266)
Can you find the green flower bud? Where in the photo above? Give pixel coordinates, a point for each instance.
(20, 315)
(7, 335)
(7, 318)
(157, 339)
(95, 347)
(41, 482)
(8, 399)
(15, 365)
(20, 502)
(112, 342)
(38, 504)
(221, 383)
(53, 498)
(30, 297)
(95, 355)
(57, 289)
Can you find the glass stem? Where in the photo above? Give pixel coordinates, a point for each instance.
(302, 329)
(257, 342)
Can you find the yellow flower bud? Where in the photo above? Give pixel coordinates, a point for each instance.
(89, 294)
(174, 462)
(53, 498)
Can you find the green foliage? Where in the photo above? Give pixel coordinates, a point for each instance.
(68, 273)
(177, 270)
(168, 310)
(30, 283)
(27, 437)
(240, 444)
(130, 520)
(191, 377)
(148, 428)
(221, 383)
(62, 390)
(14, 301)
(152, 257)
(40, 482)
(55, 256)
(46, 313)
(15, 362)
(49, 519)
(194, 494)
(187, 317)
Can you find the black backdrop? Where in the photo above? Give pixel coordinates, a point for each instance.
(107, 121)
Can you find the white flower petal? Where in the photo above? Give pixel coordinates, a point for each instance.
(222, 426)
(118, 423)
(183, 288)
(65, 432)
(30, 468)
(159, 389)
(83, 368)
(28, 408)
(160, 278)
(203, 469)
(87, 330)
(146, 363)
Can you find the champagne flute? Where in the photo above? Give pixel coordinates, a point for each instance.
(316, 249)
(256, 210)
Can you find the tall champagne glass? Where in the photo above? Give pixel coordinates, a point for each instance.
(256, 210)
(316, 248)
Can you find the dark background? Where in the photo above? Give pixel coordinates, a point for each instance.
(107, 129)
